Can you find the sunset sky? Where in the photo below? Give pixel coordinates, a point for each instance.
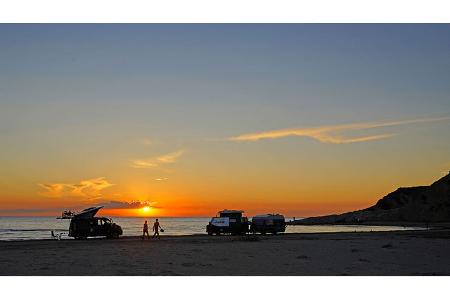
(191, 119)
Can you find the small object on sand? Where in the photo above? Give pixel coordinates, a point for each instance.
(56, 236)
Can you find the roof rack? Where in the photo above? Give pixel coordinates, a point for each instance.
(231, 211)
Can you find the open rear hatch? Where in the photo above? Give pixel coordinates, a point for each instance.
(88, 213)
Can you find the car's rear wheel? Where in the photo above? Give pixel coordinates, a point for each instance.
(112, 236)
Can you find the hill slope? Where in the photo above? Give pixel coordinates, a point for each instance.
(427, 204)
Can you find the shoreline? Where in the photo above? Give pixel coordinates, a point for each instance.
(412, 229)
(306, 222)
(407, 252)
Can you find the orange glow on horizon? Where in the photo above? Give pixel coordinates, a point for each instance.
(186, 199)
(144, 211)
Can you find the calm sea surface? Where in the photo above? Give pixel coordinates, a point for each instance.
(24, 228)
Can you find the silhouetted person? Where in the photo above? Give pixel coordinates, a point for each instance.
(156, 228)
(145, 230)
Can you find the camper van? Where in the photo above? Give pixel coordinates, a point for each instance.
(228, 221)
(85, 224)
(269, 223)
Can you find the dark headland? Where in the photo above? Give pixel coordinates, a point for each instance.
(419, 205)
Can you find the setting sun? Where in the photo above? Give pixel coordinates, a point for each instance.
(146, 209)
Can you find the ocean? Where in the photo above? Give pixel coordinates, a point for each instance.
(25, 228)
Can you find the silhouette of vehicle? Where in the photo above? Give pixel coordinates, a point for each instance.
(228, 221)
(85, 224)
(269, 223)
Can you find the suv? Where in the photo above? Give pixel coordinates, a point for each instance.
(228, 221)
(85, 224)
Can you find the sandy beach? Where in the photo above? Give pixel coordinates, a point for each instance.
(370, 253)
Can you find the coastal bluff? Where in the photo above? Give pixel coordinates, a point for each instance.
(420, 204)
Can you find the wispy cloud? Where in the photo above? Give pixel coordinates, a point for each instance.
(334, 134)
(114, 204)
(161, 179)
(143, 164)
(168, 158)
(90, 188)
